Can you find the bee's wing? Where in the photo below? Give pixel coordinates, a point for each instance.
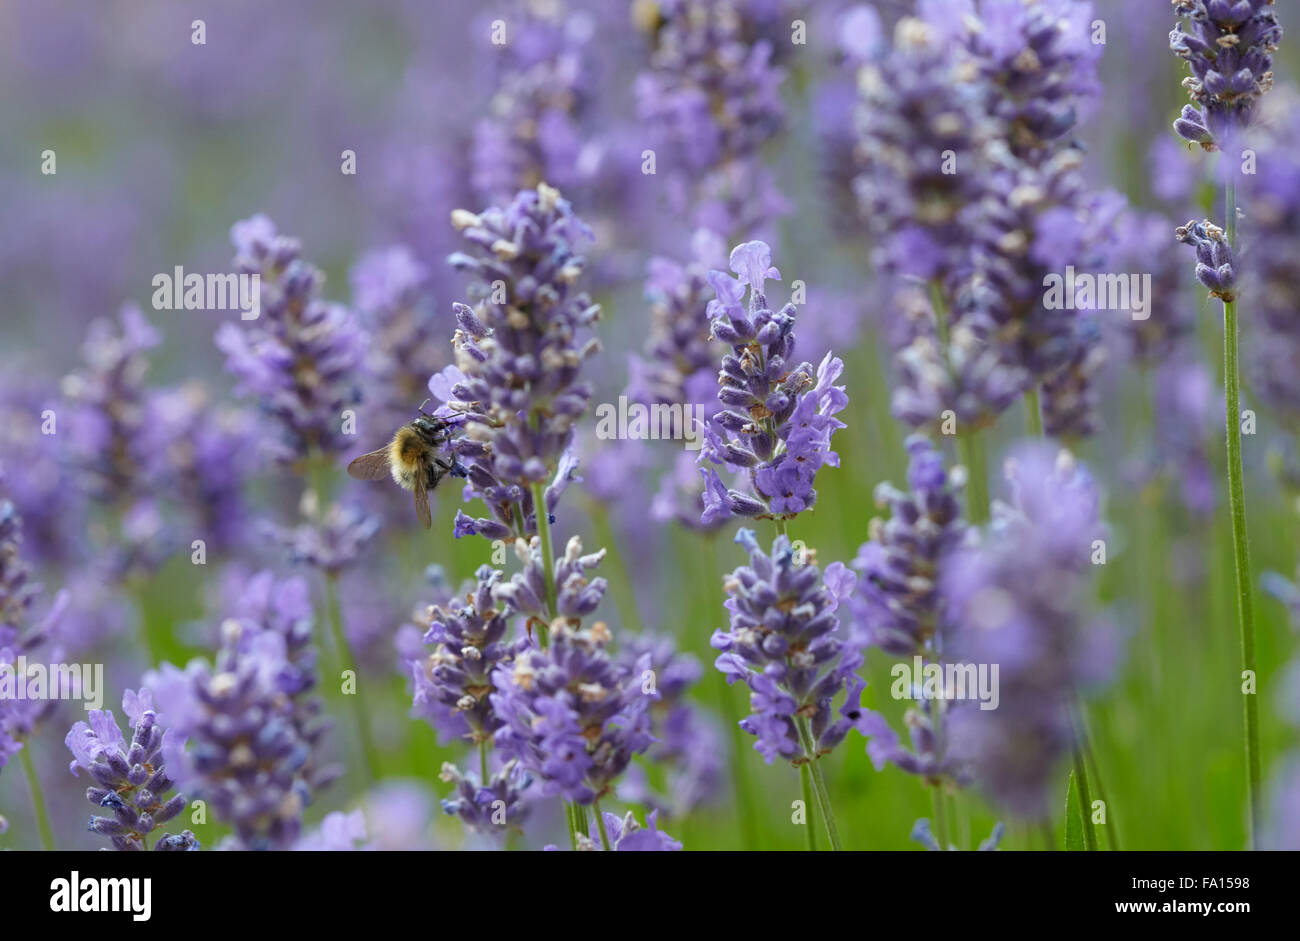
(422, 502)
(372, 466)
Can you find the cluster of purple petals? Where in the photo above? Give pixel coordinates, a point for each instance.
(784, 643)
(42, 485)
(1044, 219)
(264, 602)
(711, 98)
(19, 637)
(687, 745)
(921, 833)
(519, 351)
(245, 755)
(971, 186)
(408, 342)
(1216, 267)
(530, 132)
(487, 808)
(574, 717)
(1228, 46)
(130, 778)
(1018, 600)
(331, 540)
(897, 602)
(778, 417)
(680, 365)
(1034, 65)
(932, 756)
(302, 356)
(453, 683)
(915, 119)
(209, 452)
(626, 834)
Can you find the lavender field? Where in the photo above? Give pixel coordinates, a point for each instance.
(650, 425)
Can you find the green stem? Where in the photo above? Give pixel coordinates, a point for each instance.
(970, 447)
(1090, 758)
(810, 827)
(819, 784)
(1240, 543)
(1085, 799)
(1241, 556)
(1033, 414)
(571, 820)
(548, 557)
(940, 817)
(600, 825)
(348, 662)
(483, 763)
(38, 799)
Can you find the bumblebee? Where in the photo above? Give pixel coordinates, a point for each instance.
(414, 460)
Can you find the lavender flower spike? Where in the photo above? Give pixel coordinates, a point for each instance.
(130, 779)
(1228, 46)
(784, 644)
(897, 606)
(301, 357)
(781, 418)
(519, 350)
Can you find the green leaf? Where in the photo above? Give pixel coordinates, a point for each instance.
(1073, 818)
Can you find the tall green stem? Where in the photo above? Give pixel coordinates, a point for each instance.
(548, 557)
(810, 823)
(819, 784)
(38, 799)
(970, 446)
(1033, 414)
(600, 826)
(1085, 798)
(1240, 543)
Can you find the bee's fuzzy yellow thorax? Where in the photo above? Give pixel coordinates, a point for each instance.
(404, 457)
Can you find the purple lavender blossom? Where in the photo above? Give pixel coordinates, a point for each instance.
(1215, 262)
(711, 99)
(915, 119)
(111, 406)
(784, 644)
(897, 604)
(1017, 600)
(627, 835)
(18, 636)
(530, 133)
(301, 358)
(407, 340)
(487, 809)
(687, 746)
(339, 832)
(783, 417)
(332, 540)
(1035, 64)
(1228, 47)
(261, 603)
(130, 778)
(574, 718)
(245, 755)
(518, 355)
(453, 682)
(208, 452)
